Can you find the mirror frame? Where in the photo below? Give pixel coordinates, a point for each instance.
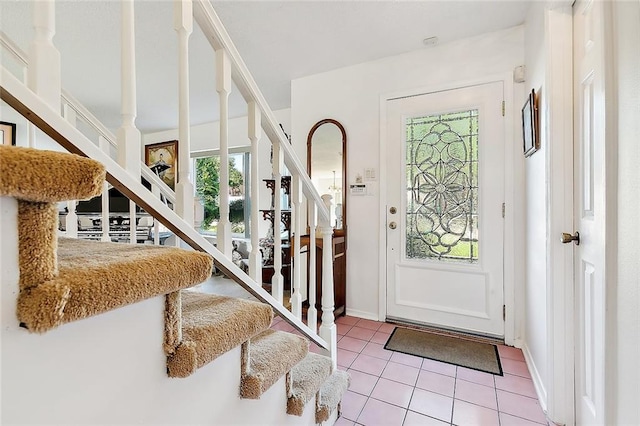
(315, 127)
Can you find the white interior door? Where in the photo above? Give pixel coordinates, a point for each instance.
(589, 101)
(444, 213)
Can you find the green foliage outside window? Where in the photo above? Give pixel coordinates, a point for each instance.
(208, 189)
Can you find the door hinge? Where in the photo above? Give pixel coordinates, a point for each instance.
(503, 208)
(504, 312)
(503, 107)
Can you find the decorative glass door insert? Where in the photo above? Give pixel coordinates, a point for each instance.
(442, 186)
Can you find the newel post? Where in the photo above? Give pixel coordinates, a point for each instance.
(44, 75)
(328, 329)
(183, 24)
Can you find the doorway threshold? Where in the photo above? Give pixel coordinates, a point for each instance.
(462, 334)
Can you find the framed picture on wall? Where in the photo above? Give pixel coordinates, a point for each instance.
(530, 135)
(162, 159)
(8, 132)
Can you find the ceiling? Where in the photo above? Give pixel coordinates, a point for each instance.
(279, 41)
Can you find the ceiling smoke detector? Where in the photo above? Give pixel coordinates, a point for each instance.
(430, 41)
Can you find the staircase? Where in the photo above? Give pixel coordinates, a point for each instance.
(62, 280)
(111, 333)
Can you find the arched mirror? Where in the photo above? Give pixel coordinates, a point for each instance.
(327, 167)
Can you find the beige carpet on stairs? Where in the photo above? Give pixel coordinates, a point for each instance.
(95, 277)
(331, 394)
(47, 176)
(209, 326)
(305, 381)
(63, 280)
(266, 358)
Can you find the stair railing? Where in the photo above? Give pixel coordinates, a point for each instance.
(75, 112)
(230, 67)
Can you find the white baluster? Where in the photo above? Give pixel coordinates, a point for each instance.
(71, 220)
(183, 24)
(44, 59)
(31, 133)
(312, 313)
(106, 225)
(155, 190)
(156, 224)
(295, 193)
(31, 128)
(277, 281)
(255, 131)
(129, 140)
(223, 77)
(328, 329)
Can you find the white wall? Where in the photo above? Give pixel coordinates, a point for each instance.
(352, 96)
(535, 345)
(627, 312)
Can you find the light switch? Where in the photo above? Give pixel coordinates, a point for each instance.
(370, 174)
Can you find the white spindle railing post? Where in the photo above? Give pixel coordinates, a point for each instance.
(312, 313)
(255, 131)
(223, 77)
(156, 224)
(183, 24)
(296, 217)
(44, 74)
(106, 225)
(277, 281)
(71, 221)
(328, 329)
(129, 139)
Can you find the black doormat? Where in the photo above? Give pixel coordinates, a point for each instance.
(452, 350)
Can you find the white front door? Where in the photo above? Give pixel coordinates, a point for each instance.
(445, 190)
(589, 100)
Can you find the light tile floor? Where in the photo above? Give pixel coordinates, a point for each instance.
(390, 388)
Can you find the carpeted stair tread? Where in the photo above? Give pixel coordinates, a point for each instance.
(272, 354)
(211, 326)
(306, 378)
(95, 277)
(331, 394)
(48, 176)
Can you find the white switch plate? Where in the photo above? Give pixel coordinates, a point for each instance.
(369, 174)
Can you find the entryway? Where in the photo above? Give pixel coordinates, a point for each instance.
(445, 194)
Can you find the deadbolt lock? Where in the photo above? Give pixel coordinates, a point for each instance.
(393, 225)
(393, 210)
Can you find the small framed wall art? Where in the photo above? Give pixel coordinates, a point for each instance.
(530, 130)
(8, 133)
(162, 159)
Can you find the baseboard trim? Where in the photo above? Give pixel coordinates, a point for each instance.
(538, 384)
(362, 314)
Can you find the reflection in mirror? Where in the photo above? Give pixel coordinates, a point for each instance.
(326, 162)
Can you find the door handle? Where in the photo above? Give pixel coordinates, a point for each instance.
(567, 238)
(392, 225)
